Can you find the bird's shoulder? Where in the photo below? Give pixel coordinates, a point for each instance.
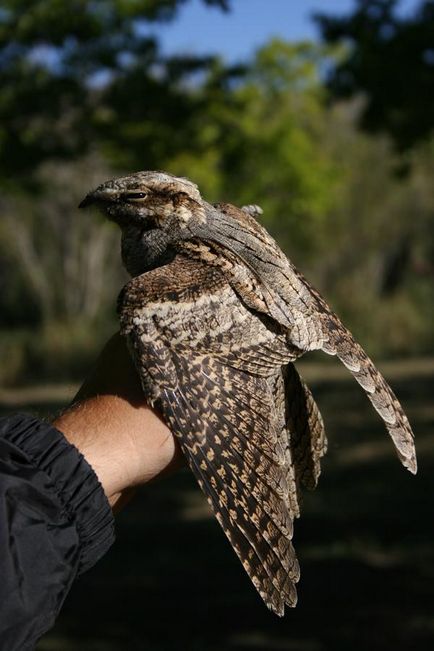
(175, 294)
(184, 277)
(254, 265)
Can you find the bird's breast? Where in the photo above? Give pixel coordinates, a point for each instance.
(190, 306)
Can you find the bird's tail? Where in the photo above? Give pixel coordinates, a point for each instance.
(342, 344)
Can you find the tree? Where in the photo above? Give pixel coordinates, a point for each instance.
(261, 143)
(79, 75)
(66, 261)
(389, 60)
(84, 94)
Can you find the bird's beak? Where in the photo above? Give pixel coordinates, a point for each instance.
(98, 197)
(88, 200)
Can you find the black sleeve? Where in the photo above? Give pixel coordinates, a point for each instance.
(55, 523)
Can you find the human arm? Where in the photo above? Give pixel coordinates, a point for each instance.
(55, 516)
(121, 437)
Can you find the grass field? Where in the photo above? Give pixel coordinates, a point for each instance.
(365, 544)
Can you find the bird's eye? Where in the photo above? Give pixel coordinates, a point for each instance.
(134, 196)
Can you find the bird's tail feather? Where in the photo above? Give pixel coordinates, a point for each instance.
(342, 344)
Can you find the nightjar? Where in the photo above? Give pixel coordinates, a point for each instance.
(215, 315)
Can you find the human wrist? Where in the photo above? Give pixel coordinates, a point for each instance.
(126, 446)
(95, 428)
(120, 436)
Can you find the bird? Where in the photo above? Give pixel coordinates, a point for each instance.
(215, 315)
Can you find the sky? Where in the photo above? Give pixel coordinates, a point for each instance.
(250, 23)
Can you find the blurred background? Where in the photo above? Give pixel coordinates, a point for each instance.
(323, 114)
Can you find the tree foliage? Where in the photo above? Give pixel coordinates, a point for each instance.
(390, 60)
(86, 95)
(261, 142)
(83, 74)
(66, 261)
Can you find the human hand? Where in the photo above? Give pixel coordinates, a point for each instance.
(120, 436)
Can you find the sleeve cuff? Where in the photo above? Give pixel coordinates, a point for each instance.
(73, 479)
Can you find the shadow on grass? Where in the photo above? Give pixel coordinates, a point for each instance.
(365, 544)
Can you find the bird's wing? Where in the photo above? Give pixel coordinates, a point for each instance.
(268, 282)
(193, 342)
(301, 435)
(304, 423)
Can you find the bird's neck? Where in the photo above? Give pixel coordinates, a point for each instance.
(143, 250)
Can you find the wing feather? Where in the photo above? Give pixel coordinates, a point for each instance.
(246, 491)
(268, 282)
(196, 369)
(307, 439)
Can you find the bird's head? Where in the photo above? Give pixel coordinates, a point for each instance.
(158, 212)
(148, 200)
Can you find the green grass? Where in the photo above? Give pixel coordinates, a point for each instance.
(365, 544)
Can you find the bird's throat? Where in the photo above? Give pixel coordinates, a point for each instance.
(145, 248)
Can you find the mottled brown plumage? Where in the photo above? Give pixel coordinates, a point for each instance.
(214, 316)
